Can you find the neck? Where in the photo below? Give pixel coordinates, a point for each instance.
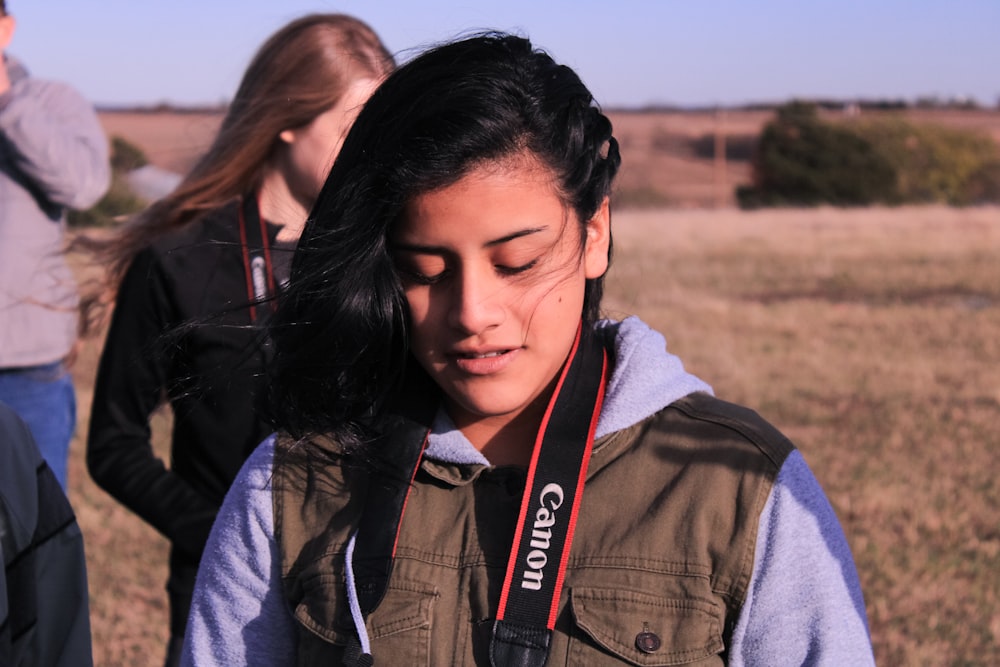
(279, 206)
(505, 440)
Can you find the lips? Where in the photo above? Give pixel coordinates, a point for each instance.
(484, 362)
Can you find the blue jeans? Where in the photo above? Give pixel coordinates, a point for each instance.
(43, 397)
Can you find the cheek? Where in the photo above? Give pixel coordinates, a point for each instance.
(320, 162)
(564, 289)
(419, 311)
(318, 151)
(308, 171)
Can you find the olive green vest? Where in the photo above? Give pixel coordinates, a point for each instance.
(664, 544)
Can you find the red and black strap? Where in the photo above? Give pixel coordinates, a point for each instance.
(257, 265)
(529, 599)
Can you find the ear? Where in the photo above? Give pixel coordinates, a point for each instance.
(288, 136)
(595, 254)
(7, 25)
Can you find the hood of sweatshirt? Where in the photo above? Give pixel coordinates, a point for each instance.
(646, 378)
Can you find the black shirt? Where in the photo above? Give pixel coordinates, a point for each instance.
(181, 331)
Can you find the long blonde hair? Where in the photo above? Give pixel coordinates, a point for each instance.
(301, 71)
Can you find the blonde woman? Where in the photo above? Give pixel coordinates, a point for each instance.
(186, 271)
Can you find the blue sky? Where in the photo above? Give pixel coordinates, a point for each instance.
(630, 52)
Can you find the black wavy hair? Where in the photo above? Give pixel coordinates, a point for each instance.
(340, 333)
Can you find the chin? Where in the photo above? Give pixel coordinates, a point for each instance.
(486, 404)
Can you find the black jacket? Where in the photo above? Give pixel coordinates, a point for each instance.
(181, 331)
(44, 608)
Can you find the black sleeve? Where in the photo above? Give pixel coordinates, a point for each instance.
(131, 381)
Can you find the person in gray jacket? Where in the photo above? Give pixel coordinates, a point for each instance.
(44, 607)
(53, 156)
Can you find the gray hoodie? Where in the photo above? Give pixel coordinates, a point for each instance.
(53, 156)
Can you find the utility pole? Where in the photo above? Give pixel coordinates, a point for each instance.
(721, 180)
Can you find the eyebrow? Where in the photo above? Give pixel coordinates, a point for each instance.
(438, 250)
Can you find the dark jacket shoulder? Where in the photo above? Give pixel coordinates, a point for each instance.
(731, 423)
(207, 233)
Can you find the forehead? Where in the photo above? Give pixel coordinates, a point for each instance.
(521, 161)
(516, 170)
(491, 197)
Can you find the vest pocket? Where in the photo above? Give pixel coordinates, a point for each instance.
(674, 631)
(399, 630)
(322, 608)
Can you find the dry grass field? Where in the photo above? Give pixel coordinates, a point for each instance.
(870, 336)
(170, 140)
(667, 156)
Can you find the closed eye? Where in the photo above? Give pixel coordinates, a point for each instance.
(417, 278)
(514, 270)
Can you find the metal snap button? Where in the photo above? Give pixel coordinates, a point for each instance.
(646, 641)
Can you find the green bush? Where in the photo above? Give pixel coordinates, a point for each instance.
(802, 160)
(983, 185)
(934, 163)
(117, 202)
(126, 156)
(120, 200)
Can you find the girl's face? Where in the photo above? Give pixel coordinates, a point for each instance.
(311, 149)
(494, 270)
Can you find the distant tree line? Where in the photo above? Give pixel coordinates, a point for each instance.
(802, 159)
(165, 107)
(960, 103)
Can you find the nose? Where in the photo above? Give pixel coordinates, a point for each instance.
(476, 304)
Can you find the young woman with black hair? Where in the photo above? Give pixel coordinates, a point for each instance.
(472, 468)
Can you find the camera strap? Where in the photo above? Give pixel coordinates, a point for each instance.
(529, 599)
(257, 266)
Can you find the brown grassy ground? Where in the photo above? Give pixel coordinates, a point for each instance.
(660, 167)
(871, 337)
(170, 140)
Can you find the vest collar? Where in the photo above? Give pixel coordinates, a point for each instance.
(606, 450)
